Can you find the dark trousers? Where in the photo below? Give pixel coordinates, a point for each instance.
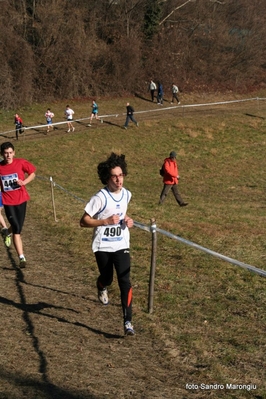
(165, 191)
(131, 117)
(160, 99)
(16, 214)
(106, 262)
(175, 97)
(19, 129)
(152, 95)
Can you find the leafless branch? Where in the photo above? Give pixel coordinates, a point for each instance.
(178, 7)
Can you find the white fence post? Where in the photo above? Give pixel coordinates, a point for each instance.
(52, 195)
(153, 265)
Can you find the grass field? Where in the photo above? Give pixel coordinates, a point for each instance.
(208, 314)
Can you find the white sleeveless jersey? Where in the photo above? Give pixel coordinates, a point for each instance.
(102, 205)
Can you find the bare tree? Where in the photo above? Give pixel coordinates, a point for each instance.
(86, 48)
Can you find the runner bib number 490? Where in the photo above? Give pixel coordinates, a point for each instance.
(112, 234)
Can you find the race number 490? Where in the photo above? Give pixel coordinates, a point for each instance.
(112, 231)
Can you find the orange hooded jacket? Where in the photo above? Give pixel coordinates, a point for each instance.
(170, 171)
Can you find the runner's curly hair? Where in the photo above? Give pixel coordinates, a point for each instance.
(104, 168)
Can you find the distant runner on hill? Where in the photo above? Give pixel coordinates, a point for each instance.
(49, 119)
(19, 125)
(69, 115)
(94, 112)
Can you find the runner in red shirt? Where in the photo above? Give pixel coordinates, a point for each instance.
(19, 125)
(14, 193)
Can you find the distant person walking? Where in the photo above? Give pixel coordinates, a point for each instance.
(170, 179)
(160, 94)
(19, 125)
(14, 193)
(106, 212)
(69, 115)
(130, 116)
(94, 112)
(49, 119)
(151, 89)
(174, 94)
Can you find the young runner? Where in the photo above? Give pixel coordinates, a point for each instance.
(106, 212)
(14, 193)
(49, 118)
(94, 112)
(19, 125)
(69, 115)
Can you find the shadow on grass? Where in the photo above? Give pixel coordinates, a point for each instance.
(33, 308)
(54, 290)
(35, 389)
(49, 390)
(255, 116)
(142, 98)
(112, 124)
(96, 301)
(85, 124)
(149, 100)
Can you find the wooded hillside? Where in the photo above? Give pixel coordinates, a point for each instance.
(67, 49)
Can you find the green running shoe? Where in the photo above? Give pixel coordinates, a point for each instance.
(8, 240)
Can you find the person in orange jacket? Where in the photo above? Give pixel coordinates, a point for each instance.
(170, 179)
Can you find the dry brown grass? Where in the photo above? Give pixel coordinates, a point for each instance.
(208, 324)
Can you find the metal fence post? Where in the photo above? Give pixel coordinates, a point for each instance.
(153, 264)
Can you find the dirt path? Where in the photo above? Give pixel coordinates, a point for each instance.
(57, 341)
